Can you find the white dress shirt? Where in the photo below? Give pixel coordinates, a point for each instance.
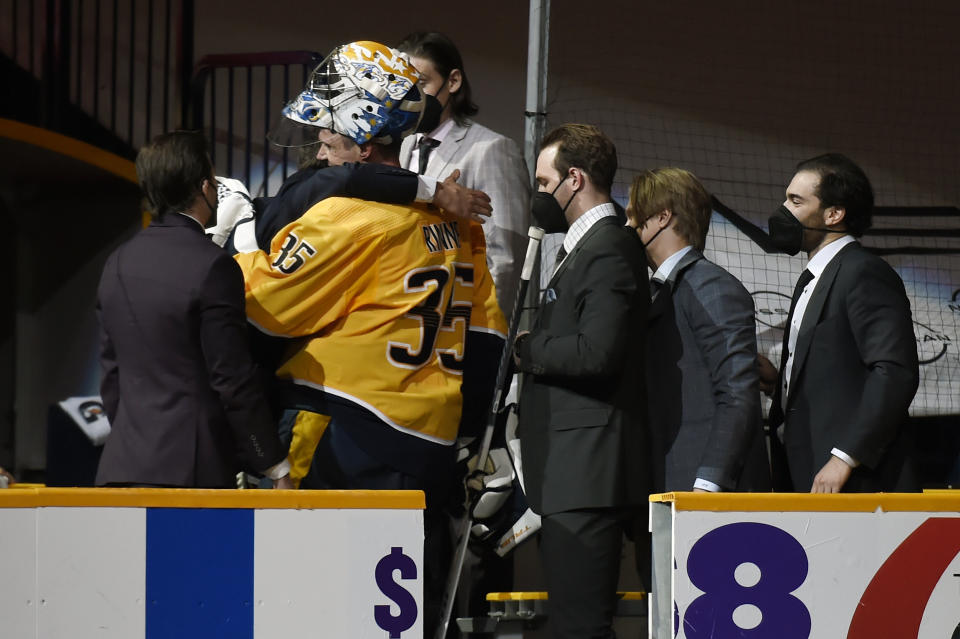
(582, 224)
(437, 134)
(665, 270)
(816, 266)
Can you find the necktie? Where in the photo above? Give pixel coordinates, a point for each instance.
(805, 278)
(562, 253)
(425, 146)
(655, 286)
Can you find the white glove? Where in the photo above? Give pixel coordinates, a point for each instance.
(233, 206)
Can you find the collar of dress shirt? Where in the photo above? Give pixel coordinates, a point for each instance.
(824, 256)
(195, 220)
(425, 190)
(441, 131)
(667, 267)
(583, 223)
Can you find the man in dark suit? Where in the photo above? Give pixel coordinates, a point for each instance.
(178, 383)
(582, 403)
(849, 367)
(701, 346)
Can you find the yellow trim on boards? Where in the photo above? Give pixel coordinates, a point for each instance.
(70, 147)
(934, 501)
(542, 596)
(212, 498)
(516, 596)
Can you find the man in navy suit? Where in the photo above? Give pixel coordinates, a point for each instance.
(179, 386)
(582, 402)
(849, 366)
(701, 346)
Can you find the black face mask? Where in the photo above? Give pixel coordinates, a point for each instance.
(547, 211)
(213, 210)
(786, 231)
(432, 110)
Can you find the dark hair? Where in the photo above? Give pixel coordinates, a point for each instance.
(587, 148)
(844, 184)
(443, 53)
(171, 169)
(678, 191)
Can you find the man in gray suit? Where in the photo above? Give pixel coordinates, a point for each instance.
(701, 346)
(582, 403)
(488, 161)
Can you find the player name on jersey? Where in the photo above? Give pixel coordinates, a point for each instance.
(444, 236)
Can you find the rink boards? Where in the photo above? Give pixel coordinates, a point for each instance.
(159, 563)
(805, 566)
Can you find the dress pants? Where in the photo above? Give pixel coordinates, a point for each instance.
(580, 552)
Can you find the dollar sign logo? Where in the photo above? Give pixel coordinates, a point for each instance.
(390, 563)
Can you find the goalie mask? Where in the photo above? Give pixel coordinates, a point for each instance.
(363, 90)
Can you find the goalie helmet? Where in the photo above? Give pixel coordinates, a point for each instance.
(363, 90)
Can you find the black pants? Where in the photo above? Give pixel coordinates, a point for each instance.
(340, 464)
(580, 551)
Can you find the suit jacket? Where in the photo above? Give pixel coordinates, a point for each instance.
(178, 383)
(854, 375)
(491, 163)
(701, 369)
(582, 405)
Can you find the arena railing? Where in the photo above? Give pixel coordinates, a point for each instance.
(235, 98)
(112, 72)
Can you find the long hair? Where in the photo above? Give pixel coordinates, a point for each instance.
(443, 53)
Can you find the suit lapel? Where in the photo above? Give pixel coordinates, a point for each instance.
(811, 316)
(571, 256)
(406, 150)
(665, 295)
(447, 150)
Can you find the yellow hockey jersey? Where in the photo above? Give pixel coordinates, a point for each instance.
(383, 297)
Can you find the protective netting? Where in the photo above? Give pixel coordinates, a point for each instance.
(739, 93)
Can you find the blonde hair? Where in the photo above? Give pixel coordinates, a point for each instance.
(678, 191)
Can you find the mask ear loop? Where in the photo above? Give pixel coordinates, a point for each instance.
(443, 105)
(557, 187)
(567, 205)
(659, 231)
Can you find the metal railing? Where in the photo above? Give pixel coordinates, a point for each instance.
(117, 72)
(235, 99)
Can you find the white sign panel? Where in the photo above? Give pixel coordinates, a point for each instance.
(240, 572)
(802, 575)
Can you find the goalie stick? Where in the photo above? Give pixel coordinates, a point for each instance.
(535, 234)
